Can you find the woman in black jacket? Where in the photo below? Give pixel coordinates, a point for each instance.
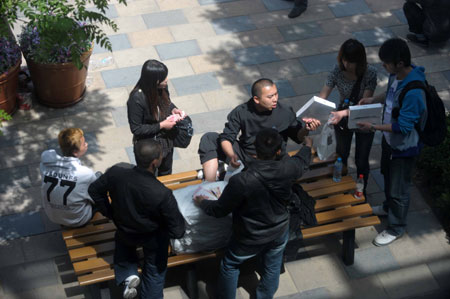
(149, 106)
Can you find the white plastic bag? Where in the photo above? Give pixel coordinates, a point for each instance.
(326, 145)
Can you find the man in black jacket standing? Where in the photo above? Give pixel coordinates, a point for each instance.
(258, 199)
(145, 213)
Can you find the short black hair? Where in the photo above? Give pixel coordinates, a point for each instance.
(395, 50)
(268, 141)
(258, 85)
(145, 151)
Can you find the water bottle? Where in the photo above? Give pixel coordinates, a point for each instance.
(346, 104)
(359, 192)
(337, 172)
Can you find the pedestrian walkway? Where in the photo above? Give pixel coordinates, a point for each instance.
(214, 50)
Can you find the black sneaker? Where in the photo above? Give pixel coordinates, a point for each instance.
(296, 11)
(413, 38)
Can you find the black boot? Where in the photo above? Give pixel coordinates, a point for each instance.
(299, 8)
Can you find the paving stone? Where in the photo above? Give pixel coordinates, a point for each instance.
(28, 276)
(233, 24)
(284, 69)
(433, 63)
(37, 131)
(191, 104)
(364, 237)
(254, 55)
(207, 2)
(272, 5)
(369, 287)
(118, 42)
(94, 81)
(205, 13)
(376, 5)
(44, 246)
(20, 155)
(110, 11)
(211, 62)
(301, 31)
(309, 84)
(285, 89)
(106, 159)
(9, 137)
(91, 121)
(265, 36)
(121, 77)
(20, 225)
(20, 200)
(176, 4)
(319, 63)
(98, 100)
(149, 37)
(447, 75)
(120, 116)
(192, 31)
(195, 83)
(127, 24)
(225, 98)
(135, 56)
(11, 253)
(130, 154)
(371, 261)
(217, 44)
(178, 49)
(440, 269)
(400, 15)
(55, 291)
(238, 75)
(243, 7)
(164, 18)
(212, 121)
(349, 8)
(11, 178)
(413, 280)
(136, 7)
(373, 37)
(378, 177)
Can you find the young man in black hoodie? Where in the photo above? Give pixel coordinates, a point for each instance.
(145, 213)
(258, 198)
(262, 110)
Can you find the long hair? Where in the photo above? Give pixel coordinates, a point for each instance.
(353, 51)
(152, 74)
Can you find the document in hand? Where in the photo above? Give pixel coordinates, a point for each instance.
(317, 108)
(364, 113)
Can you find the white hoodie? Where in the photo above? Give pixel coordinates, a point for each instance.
(64, 189)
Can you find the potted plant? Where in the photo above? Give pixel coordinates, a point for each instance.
(10, 60)
(57, 41)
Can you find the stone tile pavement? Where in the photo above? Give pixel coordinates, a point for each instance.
(214, 50)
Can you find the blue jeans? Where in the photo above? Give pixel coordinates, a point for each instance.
(271, 257)
(155, 261)
(397, 174)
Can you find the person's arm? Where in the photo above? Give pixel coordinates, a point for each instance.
(136, 111)
(229, 200)
(227, 148)
(98, 191)
(325, 92)
(229, 135)
(172, 217)
(412, 108)
(372, 100)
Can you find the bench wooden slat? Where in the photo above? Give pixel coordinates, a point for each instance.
(178, 177)
(332, 190)
(343, 213)
(317, 173)
(325, 182)
(336, 201)
(93, 239)
(349, 224)
(96, 264)
(182, 185)
(88, 252)
(96, 277)
(88, 230)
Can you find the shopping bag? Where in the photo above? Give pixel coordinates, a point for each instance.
(327, 142)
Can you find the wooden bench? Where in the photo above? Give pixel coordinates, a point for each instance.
(91, 247)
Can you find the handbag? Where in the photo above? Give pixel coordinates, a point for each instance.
(182, 133)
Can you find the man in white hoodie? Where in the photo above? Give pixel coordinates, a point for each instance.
(65, 181)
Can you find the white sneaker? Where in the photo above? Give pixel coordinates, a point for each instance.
(130, 286)
(379, 211)
(384, 238)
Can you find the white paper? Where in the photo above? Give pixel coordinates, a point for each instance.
(364, 113)
(317, 108)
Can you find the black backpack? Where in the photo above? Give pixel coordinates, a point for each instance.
(435, 128)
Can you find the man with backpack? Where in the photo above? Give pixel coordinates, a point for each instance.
(401, 125)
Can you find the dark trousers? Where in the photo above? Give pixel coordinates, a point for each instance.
(155, 261)
(397, 173)
(363, 142)
(300, 3)
(166, 165)
(415, 16)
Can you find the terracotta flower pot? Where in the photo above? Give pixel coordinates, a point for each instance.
(59, 85)
(9, 82)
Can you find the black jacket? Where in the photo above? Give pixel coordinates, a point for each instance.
(248, 121)
(140, 204)
(259, 205)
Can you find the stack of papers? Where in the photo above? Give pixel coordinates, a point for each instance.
(317, 108)
(364, 113)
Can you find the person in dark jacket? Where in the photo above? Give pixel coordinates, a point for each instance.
(262, 110)
(145, 213)
(428, 20)
(258, 199)
(149, 106)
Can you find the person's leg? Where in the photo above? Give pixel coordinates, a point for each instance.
(385, 171)
(229, 271)
(210, 152)
(343, 142)
(166, 164)
(416, 18)
(363, 144)
(401, 173)
(272, 259)
(155, 267)
(125, 260)
(299, 8)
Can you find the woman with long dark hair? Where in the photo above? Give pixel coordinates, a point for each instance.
(354, 79)
(149, 106)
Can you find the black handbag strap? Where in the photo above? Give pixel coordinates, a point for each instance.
(354, 95)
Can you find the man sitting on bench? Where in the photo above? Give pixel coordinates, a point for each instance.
(65, 181)
(262, 111)
(258, 198)
(145, 214)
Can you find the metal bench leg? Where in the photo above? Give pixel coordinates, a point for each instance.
(191, 281)
(348, 247)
